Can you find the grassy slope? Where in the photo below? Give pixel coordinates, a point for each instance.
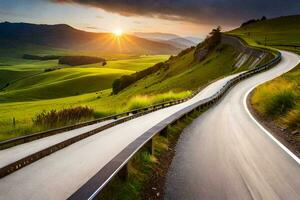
(274, 32)
(279, 100)
(271, 98)
(65, 82)
(31, 89)
(61, 83)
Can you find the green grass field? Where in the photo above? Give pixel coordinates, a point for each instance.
(279, 32)
(32, 90)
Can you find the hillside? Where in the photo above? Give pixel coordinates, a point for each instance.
(282, 32)
(65, 37)
(32, 80)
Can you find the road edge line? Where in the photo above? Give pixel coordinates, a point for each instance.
(265, 130)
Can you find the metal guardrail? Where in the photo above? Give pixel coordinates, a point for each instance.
(28, 138)
(126, 116)
(118, 165)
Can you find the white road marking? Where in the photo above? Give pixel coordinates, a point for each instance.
(266, 131)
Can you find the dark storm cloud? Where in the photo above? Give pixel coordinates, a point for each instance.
(229, 12)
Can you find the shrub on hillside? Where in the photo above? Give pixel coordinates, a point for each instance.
(54, 118)
(126, 80)
(279, 103)
(80, 60)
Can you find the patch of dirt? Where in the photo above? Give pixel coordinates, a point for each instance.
(283, 134)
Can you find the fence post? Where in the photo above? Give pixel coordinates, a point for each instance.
(164, 132)
(149, 146)
(123, 173)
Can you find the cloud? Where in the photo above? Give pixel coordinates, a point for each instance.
(225, 12)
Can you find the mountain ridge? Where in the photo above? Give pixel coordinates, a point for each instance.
(66, 37)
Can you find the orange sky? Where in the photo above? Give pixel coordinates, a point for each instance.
(95, 19)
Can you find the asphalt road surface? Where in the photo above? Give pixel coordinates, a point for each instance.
(224, 154)
(10, 155)
(60, 174)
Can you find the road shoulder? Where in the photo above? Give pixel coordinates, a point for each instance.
(282, 134)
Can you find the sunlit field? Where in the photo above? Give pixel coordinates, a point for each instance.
(32, 89)
(283, 33)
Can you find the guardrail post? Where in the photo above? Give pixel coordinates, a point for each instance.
(123, 173)
(164, 132)
(149, 146)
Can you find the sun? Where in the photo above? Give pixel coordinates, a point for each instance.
(118, 32)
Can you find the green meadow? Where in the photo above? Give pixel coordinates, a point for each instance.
(282, 33)
(31, 89)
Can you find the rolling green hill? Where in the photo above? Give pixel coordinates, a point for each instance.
(282, 32)
(29, 81)
(61, 83)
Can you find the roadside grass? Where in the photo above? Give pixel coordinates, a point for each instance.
(55, 118)
(141, 101)
(14, 122)
(143, 165)
(279, 99)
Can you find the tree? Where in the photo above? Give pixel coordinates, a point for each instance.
(263, 18)
(213, 39)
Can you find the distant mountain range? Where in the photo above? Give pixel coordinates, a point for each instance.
(66, 37)
(172, 39)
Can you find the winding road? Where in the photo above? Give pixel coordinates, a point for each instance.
(225, 154)
(62, 173)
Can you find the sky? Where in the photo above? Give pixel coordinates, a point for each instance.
(182, 17)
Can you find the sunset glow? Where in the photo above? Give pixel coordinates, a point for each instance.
(118, 32)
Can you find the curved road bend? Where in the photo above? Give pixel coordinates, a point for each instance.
(60, 174)
(223, 154)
